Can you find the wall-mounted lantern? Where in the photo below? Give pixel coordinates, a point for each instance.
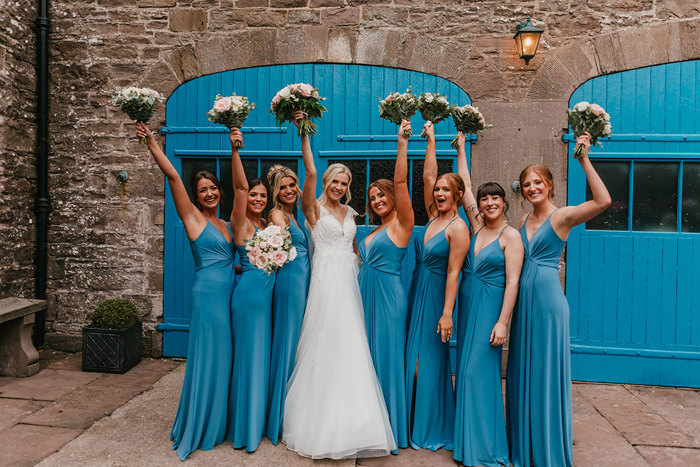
(527, 38)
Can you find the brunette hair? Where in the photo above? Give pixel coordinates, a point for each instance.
(456, 185)
(274, 178)
(543, 172)
(493, 189)
(255, 181)
(386, 187)
(195, 181)
(329, 175)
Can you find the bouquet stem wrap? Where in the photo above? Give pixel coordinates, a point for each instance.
(591, 118)
(231, 111)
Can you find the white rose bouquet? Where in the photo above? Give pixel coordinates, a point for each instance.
(433, 108)
(271, 248)
(138, 103)
(298, 97)
(231, 111)
(591, 118)
(396, 107)
(468, 120)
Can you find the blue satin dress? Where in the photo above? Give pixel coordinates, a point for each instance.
(430, 397)
(251, 311)
(385, 305)
(200, 422)
(480, 424)
(538, 387)
(288, 305)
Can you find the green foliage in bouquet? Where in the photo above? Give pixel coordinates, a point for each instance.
(397, 107)
(231, 111)
(138, 103)
(468, 120)
(298, 97)
(114, 313)
(433, 108)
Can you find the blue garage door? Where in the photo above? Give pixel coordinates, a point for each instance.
(633, 273)
(351, 133)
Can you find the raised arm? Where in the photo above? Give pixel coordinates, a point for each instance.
(309, 204)
(193, 220)
(430, 168)
(404, 209)
(571, 216)
(468, 200)
(239, 223)
(458, 238)
(514, 252)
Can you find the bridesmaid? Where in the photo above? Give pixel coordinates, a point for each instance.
(251, 311)
(200, 422)
(487, 295)
(289, 299)
(439, 257)
(538, 388)
(383, 296)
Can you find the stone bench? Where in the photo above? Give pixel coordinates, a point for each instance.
(18, 357)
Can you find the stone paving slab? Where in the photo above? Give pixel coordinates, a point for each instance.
(14, 410)
(412, 457)
(680, 407)
(47, 385)
(62, 361)
(30, 444)
(661, 456)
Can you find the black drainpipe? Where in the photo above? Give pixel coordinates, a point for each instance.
(42, 168)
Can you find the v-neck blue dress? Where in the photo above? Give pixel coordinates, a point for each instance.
(538, 388)
(429, 395)
(480, 424)
(288, 304)
(251, 311)
(385, 306)
(200, 422)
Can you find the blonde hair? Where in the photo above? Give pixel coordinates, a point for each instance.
(456, 185)
(274, 178)
(543, 172)
(329, 175)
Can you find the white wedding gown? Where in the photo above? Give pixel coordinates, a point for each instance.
(334, 406)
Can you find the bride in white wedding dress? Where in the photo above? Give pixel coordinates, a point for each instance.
(334, 406)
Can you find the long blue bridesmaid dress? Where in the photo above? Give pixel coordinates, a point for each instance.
(251, 310)
(200, 422)
(480, 424)
(385, 305)
(289, 303)
(430, 397)
(538, 386)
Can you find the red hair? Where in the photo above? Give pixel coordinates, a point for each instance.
(456, 185)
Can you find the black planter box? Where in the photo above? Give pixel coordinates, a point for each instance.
(111, 350)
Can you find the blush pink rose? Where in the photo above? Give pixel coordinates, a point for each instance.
(254, 253)
(261, 261)
(597, 110)
(279, 258)
(222, 105)
(306, 89)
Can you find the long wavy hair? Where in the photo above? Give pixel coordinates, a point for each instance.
(386, 187)
(456, 185)
(274, 178)
(329, 175)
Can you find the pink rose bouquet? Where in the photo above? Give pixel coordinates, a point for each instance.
(396, 107)
(138, 103)
(231, 111)
(298, 97)
(591, 118)
(271, 248)
(468, 120)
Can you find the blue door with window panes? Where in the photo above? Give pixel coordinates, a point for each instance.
(351, 132)
(633, 272)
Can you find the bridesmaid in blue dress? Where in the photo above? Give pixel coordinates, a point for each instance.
(487, 295)
(251, 312)
(538, 388)
(383, 296)
(439, 257)
(200, 422)
(291, 287)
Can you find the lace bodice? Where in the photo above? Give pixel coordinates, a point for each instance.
(331, 238)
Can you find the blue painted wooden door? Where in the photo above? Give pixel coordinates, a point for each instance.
(633, 273)
(351, 132)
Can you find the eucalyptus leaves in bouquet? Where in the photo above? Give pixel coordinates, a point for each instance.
(591, 118)
(138, 103)
(231, 111)
(397, 107)
(433, 108)
(468, 120)
(298, 97)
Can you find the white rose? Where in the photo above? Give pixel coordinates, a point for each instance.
(271, 230)
(275, 241)
(285, 92)
(607, 129)
(429, 97)
(581, 106)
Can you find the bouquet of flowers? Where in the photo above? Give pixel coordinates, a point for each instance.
(230, 111)
(270, 248)
(396, 107)
(591, 118)
(468, 120)
(433, 108)
(294, 97)
(137, 103)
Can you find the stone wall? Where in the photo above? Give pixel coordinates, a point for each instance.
(101, 247)
(17, 147)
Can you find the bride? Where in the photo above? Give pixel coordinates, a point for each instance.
(334, 406)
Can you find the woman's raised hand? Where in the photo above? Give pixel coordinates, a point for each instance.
(235, 136)
(142, 131)
(299, 115)
(405, 125)
(585, 141)
(461, 139)
(429, 131)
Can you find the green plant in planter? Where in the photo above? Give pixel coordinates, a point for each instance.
(114, 313)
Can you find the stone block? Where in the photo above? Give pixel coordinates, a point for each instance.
(341, 16)
(263, 42)
(610, 54)
(290, 45)
(672, 9)
(326, 3)
(385, 16)
(252, 3)
(303, 17)
(288, 3)
(47, 385)
(188, 20)
(371, 44)
(689, 32)
(398, 48)
(316, 43)
(341, 45)
(156, 3)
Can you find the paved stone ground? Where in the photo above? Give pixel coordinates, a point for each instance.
(64, 417)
